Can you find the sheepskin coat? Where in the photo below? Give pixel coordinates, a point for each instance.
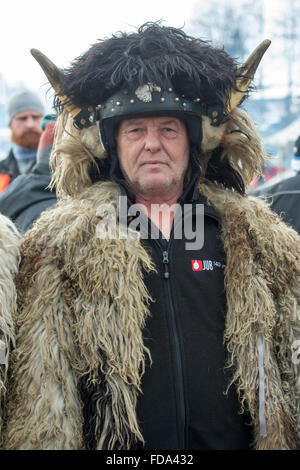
(83, 306)
(10, 258)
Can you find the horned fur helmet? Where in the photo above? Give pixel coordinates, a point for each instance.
(155, 71)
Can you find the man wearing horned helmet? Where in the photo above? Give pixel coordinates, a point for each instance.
(158, 303)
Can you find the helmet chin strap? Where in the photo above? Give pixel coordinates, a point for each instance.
(115, 174)
(191, 192)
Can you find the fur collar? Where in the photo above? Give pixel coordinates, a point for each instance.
(10, 258)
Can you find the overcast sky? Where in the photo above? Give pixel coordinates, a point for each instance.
(64, 29)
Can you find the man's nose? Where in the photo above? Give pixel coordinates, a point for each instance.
(31, 123)
(152, 141)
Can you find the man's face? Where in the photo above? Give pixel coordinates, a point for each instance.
(153, 154)
(25, 129)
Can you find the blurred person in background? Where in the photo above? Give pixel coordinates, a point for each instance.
(28, 195)
(24, 112)
(285, 195)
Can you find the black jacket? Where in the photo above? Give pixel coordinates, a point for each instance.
(284, 199)
(9, 166)
(27, 196)
(183, 403)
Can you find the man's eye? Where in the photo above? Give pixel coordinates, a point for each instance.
(134, 133)
(169, 132)
(135, 130)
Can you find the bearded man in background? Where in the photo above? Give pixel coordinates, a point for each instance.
(24, 112)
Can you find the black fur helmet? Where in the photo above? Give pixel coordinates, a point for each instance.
(203, 78)
(157, 70)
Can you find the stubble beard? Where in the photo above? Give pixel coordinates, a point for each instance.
(154, 189)
(28, 139)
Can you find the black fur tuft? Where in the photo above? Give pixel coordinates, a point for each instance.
(155, 54)
(220, 171)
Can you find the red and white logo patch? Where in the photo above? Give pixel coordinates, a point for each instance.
(206, 265)
(197, 265)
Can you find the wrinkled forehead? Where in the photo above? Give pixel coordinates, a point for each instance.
(154, 121)
(27, 114)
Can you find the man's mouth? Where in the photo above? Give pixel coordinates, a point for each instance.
(153, 162)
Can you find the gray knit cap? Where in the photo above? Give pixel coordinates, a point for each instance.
(23, 100)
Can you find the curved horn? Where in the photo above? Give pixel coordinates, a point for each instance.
(246, 73)
(54, 76)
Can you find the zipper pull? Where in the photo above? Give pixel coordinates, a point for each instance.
(166, 262)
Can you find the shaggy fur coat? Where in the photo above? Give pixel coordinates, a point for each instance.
(10, 258)
(83, 307)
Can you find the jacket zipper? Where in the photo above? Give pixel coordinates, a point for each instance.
(175, 335)
(178, 359)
